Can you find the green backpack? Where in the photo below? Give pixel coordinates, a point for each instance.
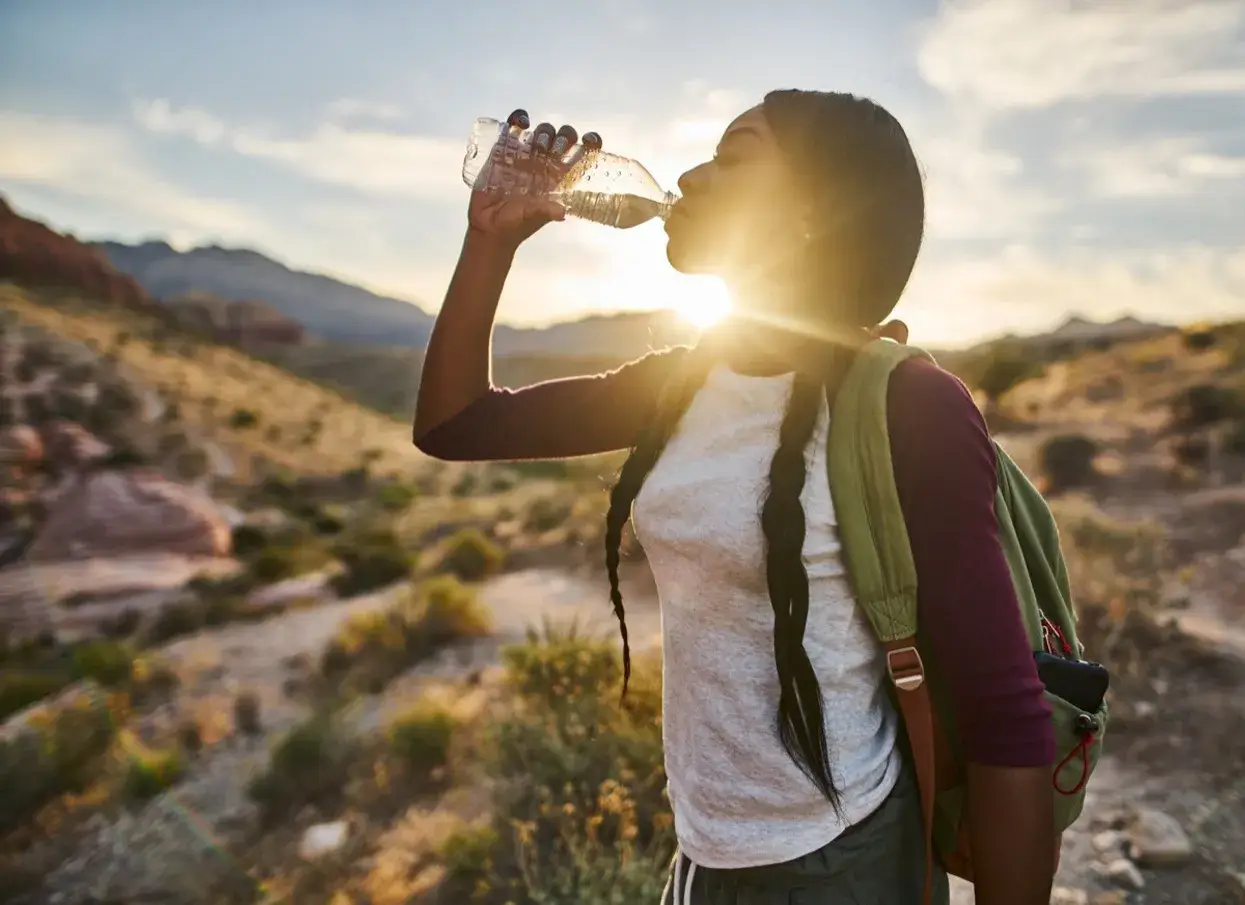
(879, 564)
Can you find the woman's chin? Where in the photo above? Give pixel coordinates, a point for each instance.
(688, 260)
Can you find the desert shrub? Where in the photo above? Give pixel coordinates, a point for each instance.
(248, 540)
(470, 556)
(246, 713)
(152, 679)
(287, 560)
(107, 662)
(396, 497)
(420, 737)
(466, 485)
(1198, 339)
(174, 621)
(150, 772)
(546, 513)
(243, 419)
(307, 763)
(1204, 405)
(123, 625)
(189, 736)
(58, 754)
(1067, 461)
(373, 559)
(998, 368)
(559, 663)
(1116, 569)
(326, 524)
(467, 854)
(19, 688)
(372, 648)
(581, 784)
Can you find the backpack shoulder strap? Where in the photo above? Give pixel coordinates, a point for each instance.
(862, 484)
(877, 554)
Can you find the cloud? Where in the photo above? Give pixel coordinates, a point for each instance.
(358, 108)
(99, 163)
(368, 160)
(974, 190)
(962, 300)
(1006, 54)
(1167, 167)
(396, 163)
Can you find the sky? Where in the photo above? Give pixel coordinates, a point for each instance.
(1080, 156)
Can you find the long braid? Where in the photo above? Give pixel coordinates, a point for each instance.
(801, 718)
(671, 404)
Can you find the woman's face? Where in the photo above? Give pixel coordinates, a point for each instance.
(741, 213)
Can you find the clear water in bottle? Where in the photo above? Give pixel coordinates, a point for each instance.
(592, 184)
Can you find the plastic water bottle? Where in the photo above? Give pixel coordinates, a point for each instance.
(590, 183)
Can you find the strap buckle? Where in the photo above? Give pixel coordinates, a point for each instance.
(909, 674)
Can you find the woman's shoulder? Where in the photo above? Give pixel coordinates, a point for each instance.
(928, 407)
(920, 385)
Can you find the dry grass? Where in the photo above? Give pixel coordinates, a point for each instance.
(212, 384)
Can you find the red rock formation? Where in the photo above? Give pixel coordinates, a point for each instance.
(32, 254)
(239, 322)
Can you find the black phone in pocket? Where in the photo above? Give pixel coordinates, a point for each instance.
(1079, 682)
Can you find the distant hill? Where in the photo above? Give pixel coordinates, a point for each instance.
(343, 313)
(326, 307)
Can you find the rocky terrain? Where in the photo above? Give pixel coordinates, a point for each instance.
(251, 659)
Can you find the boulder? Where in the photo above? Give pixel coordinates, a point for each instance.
(70, 445)
(119, 513)
(20, 446)
(1157, 840)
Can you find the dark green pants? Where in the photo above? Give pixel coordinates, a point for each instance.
(879, 861)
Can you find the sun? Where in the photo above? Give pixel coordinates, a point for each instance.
(701, 301)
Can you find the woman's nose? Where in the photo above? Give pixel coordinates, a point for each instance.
(692, 181)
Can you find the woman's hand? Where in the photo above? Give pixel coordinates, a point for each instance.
(510, 219)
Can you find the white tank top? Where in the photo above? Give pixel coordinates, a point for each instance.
(738, 798)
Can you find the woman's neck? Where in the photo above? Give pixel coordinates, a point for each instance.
(760, 346)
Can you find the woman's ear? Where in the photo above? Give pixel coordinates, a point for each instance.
(896, 330)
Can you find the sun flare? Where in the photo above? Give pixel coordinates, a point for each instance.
(702, 301)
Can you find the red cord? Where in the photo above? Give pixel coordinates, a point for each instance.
(1082, 748)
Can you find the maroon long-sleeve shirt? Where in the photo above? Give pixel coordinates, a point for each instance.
(945, 474)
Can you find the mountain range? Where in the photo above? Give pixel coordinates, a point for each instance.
(340, 312)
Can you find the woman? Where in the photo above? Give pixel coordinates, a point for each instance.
(786, 776)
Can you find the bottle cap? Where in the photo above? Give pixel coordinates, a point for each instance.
(519, 118)
(592, 141)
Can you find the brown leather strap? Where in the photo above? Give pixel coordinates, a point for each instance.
(907, 673)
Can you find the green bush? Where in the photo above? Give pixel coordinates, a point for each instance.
(1067, 461)
(107, 662)
(243, 419)
(396, 497)
(19, 688)
(57, 755)
(470, 556)
(1205, 405)
(246, 713)
(307, 763)
(249, 540)
(546, 514)
(421, 736)
(372, 648)
(176, 620)
(372, 560)
(467, 854)
(581, 786)
(149, 773)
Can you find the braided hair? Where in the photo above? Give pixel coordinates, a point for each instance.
(858, 158)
